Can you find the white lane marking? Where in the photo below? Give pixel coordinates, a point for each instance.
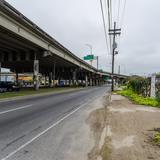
(19, 108)
(42, 133)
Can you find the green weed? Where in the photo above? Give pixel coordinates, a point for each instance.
(157, 138)
(139, 99)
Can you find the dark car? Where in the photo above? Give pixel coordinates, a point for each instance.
(8, 86)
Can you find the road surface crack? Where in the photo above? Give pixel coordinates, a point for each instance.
(12, 142)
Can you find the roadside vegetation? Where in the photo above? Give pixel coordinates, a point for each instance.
(138, 99)
(30, 91)
(157, 138)
(138, 90)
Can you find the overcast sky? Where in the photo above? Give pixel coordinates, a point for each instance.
(77, 22)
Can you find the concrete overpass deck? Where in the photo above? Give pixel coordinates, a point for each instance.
(24, 47)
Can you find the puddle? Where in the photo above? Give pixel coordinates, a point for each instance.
(126, 142)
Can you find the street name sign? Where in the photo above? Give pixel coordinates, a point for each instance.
(89, 57)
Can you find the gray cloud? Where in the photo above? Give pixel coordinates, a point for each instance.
(76, 22)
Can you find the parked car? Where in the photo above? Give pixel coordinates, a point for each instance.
(8, 86)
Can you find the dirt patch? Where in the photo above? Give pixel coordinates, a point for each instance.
(124, 131)
(154, 137)
(132, 129)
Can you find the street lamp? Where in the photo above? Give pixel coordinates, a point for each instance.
(90, 47)
(97, 58)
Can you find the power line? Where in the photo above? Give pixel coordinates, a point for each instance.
(110, 6)
(104, 25)
(108, 13)
(109, 20)
(123, 13)
(122, 19)
(118, 13)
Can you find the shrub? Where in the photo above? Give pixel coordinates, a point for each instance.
(157, 138)
(139, 85)
(138, 99)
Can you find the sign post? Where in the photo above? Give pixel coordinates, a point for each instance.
(0, 71)
(36, 72)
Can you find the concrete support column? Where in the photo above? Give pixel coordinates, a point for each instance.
(100, 82)
(2, 57)
(27, 58)
(59, 79)
(45, 80)
(54, 74)
(77, 79)
(70, 81)
(10, 57)
(66, 82)
(86, 80)
(17, 78)
(50, 79)
(0, 71)
(93, 82)
(74, 78)
(81, 82)
(36, 73)
(97, 82)
(90, 82)
(18, 57)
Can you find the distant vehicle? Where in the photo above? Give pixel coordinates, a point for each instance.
(62, 83)
(8, 86)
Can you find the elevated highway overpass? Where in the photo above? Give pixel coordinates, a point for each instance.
(24, 47)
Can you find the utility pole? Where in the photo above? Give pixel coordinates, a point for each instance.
(97, 58)
(114, 32)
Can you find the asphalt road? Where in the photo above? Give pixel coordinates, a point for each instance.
(24, 121)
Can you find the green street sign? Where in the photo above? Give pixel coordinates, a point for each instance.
(106, 78)
(88, 57)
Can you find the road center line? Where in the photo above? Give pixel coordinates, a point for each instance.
(45, 131)
(19, 108)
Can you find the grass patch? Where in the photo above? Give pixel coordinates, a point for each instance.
(157, 138)
(30, 91)
(139, 99)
